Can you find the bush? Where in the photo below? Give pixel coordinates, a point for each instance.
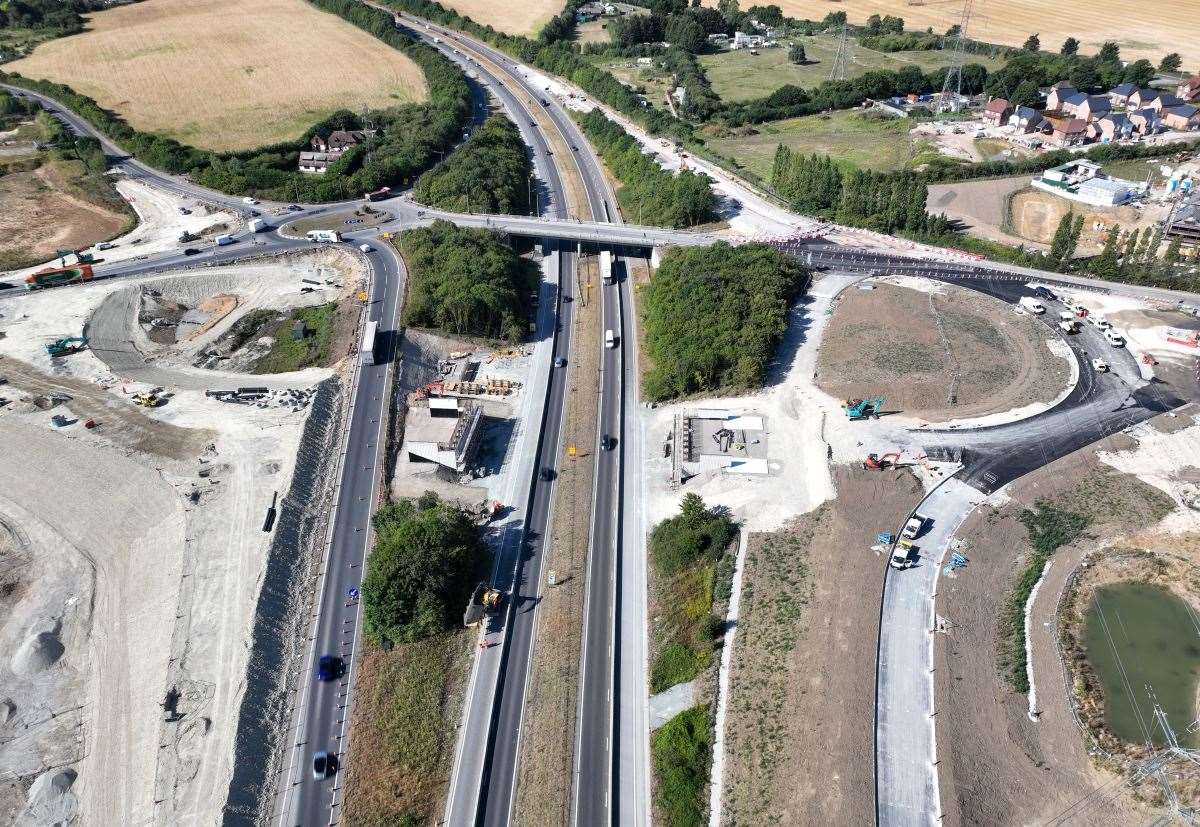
(489, 173)
(714, 316)
(420, 573)
(692, 535)
(680, 751)
(677, 663)
(466, 281)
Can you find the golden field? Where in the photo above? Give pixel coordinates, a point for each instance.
(1142, 29)
(224, 74)
(511, 16)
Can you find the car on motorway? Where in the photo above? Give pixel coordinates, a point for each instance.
(608, 442)
(324, 765)
(329, 668)
(546, 474)
(560, 362)
(366, 248)
(191, 251)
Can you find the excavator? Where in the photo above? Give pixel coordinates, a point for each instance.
(874, 462)
(67, 346)
(149, 400)
(862, 408)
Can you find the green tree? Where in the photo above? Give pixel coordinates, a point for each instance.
(1105, 265)
(419, 575)
(1109, 52)
(489, 173)
(1033, 43)
(796, 54)
(683, 31)
(1026, 94)
(1070, 47)
(1139, 73)
(1170, 63)
(1060, 245)
(1173, 255)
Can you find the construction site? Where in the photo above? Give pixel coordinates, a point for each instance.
(152, 580)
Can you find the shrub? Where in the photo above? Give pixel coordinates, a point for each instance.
(680, 750)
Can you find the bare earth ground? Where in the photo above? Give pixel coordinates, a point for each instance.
(887, 342)
(547, 756)
(220, 75)
(1023, 772)
(1171, 27)
(802, 685)
(1035, 215)
(525, 17)
(981, 207)
(40, 214)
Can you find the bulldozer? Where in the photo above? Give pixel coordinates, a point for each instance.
(484, 601)
(862, 408)
(148, 400)
(67, 346)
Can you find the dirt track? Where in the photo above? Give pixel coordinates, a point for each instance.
(802, 688)
(889, 342)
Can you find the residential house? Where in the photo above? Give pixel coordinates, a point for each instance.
(1059, 94)
(1069, 104)
(1165, 100)
(1067, 131)
(1093, 108)
(1189, 90)
(339, 140)
(1183, 117)
(741, 40)
(1120, 94)
(1025, 119)
(1146, 121)
(996, 111)
(1115, 126)
(1142, 98)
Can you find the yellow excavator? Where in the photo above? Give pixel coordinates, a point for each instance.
(148, 400)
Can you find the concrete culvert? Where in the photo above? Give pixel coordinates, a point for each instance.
(37, 653)
(8, 710)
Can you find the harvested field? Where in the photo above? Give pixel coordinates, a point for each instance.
(889, 342)
(1025, 772)
(548, 742)
(217, 75)
(525, 17)
(1170, 27)
(45, 211)
(800, 732)
(1034, 215)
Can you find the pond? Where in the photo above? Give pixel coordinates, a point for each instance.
(1138, 635)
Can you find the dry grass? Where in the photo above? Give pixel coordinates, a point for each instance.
(513, 17)
(1141, 29)
(224, 75)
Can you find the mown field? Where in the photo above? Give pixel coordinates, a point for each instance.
(224, 75)
(1142, 29)
(848, 137)
(513, 16)
(739, 75)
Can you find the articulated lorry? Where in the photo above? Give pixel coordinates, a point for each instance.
(606, 270)
(58, 276)
(367, 348)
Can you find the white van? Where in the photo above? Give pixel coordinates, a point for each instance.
(1114, 338)
(610, 340)
(1066, 316)
(1100, 323)
(1033, 306)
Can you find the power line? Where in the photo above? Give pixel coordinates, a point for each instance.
(838, 71)
(953, 82)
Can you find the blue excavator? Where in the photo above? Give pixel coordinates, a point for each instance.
(65, 347)
(862, 408)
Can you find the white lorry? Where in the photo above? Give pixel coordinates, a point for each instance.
(606, 270)
(367, 348)
(323, 236)
(257, 225)
(224, 239)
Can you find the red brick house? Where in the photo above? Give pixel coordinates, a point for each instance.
(1067, 131)
(1189, 90)
(996, 111)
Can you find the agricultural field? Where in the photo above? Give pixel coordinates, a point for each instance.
(213, 74)
(523, 17)
(1142, 30)
(739, 75)
(849, 137)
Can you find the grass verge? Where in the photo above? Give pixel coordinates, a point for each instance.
(680, 751)
(288, 353)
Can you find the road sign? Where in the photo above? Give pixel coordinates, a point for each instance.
(353, 594)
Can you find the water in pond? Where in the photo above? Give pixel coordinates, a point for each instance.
(1138, 635)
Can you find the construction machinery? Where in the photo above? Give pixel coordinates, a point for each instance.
(874, 462)
(862, 408)
(58, 276)
(148, 400)
(67, 346)
(484, 601)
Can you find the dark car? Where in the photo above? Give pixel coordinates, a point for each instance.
(560, 362)
(190, 251)
(608, 442)
(294, 208)
(324, 765)
(546, 474)
(1043, 293)
(329, 668)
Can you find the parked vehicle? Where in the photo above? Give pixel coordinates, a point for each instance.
(1033, 305)
(366, 248)
(1068, 327)
(915, 525)
(1043, 293)
(904, 555)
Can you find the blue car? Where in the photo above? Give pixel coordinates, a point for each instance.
(329, 668)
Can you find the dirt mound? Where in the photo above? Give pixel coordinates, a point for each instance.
(38, 652)
(946, 355)
(50, 800)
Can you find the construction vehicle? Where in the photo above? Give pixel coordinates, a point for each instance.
(484, 601)
(874, 462)
(148, 400)
(58, 276)
(67, 346)
(862, 408)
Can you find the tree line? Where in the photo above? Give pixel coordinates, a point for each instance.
(649, 193)
(466, 282)
(714, 316)
(489, 173)
(408, 135)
